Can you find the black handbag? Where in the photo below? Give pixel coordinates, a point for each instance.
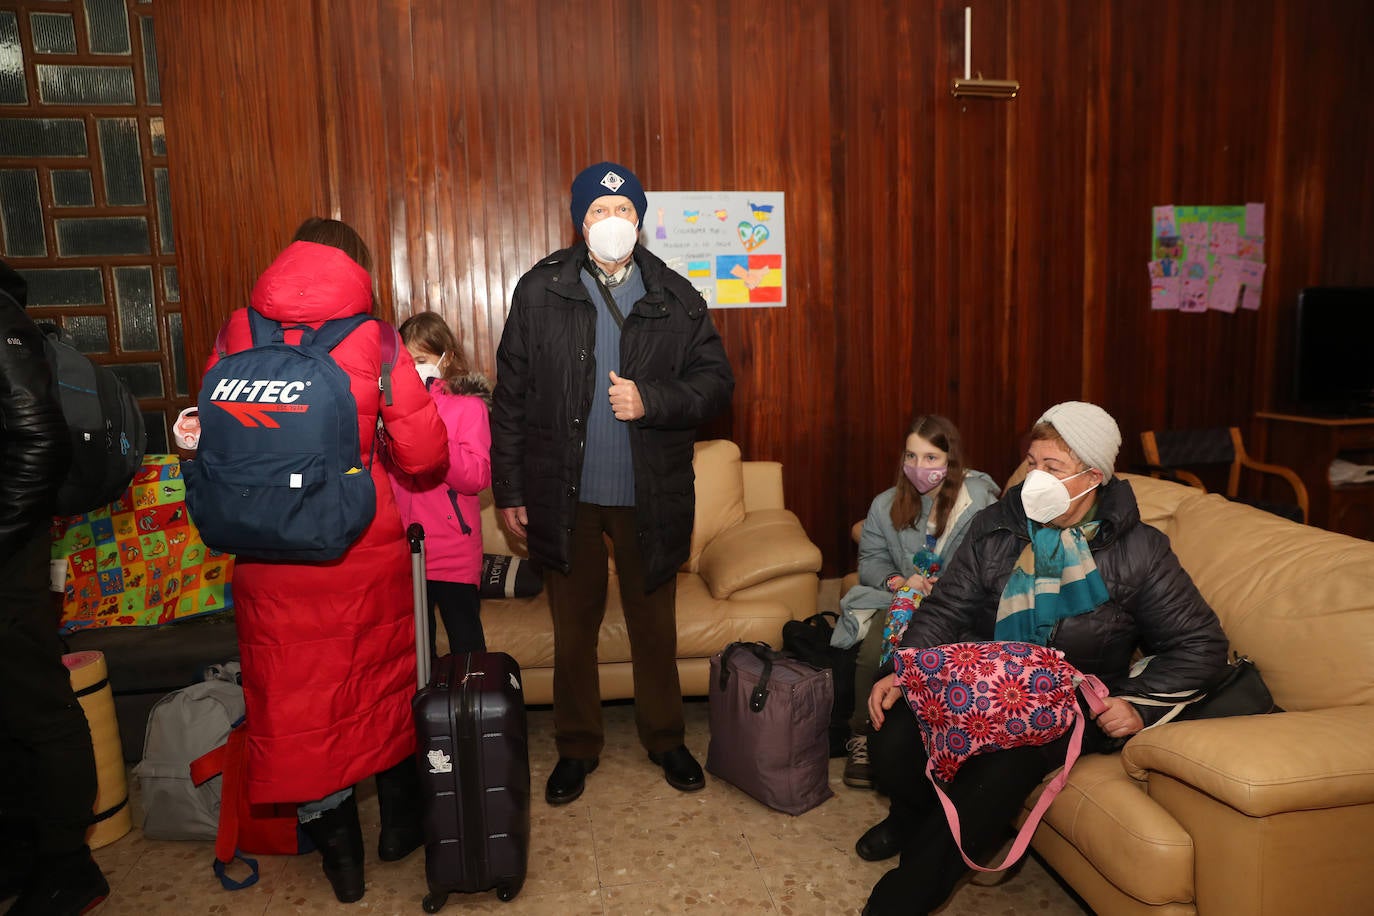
(1239, 691)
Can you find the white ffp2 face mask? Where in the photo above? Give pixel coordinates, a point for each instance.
(430, 371)
(612, 238)
(1045, 498)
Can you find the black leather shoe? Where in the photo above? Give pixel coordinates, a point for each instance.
(568, 779)
(680, 768)
(881, 841)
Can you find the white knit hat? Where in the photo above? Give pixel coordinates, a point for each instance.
(1088, 431)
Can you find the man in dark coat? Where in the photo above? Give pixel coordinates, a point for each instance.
(45, 743)
(608, 363)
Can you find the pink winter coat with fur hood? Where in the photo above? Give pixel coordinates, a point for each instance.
(446, 503)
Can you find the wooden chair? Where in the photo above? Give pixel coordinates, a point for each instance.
(1170, 453)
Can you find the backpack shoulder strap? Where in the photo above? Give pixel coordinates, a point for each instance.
(391, 345)
(332, 333)
(261, 329)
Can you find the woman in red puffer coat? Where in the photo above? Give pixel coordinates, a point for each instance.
(328, 649)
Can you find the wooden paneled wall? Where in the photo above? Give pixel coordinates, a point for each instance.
(977, 258)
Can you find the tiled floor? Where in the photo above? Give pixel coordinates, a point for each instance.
(630, 844)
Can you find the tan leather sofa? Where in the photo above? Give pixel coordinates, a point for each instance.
(752, 568)
(1253, 815)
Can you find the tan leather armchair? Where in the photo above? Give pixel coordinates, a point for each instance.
(751, 569)
(1253, 815)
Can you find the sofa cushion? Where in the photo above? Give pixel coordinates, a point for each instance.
(1296, 599)
(1137, 845)
(719, 494)
(523, 628)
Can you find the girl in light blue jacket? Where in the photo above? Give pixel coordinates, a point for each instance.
(912, 531)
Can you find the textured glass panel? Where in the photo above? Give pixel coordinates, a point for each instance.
(107, 26)
(178, 345)
(89, 333)
(123, 161)
(102, 235)
(12, 88)
(157, 136)
(21, 214)
(53, 33)
(144, 380)
(155, 423)
(150, 76)
(25, 137)
(171, 284)
(134, 302)
(72, 188)
(65, 286)
(77, 84)
(164, 211)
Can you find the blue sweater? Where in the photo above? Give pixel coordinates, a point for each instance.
(608, 476)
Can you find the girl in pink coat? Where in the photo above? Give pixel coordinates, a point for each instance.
(446, 503)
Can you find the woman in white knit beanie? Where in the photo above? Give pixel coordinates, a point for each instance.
(1062, 561)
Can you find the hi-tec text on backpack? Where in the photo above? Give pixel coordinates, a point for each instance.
(277, 475)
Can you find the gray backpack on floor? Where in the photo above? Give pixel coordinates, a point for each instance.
(184, 725)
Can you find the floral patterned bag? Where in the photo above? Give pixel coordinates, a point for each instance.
(973, 698)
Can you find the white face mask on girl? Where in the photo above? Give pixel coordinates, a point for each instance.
(1045, 498)
(612, 238)
(429, 371)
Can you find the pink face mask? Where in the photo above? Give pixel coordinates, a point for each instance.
(924, 479)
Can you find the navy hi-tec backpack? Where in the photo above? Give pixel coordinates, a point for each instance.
(277, 474)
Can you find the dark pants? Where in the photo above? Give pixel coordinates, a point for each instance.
(988, 792)
(45, 743)
(865, 667)
(460, 607)
(578, 603)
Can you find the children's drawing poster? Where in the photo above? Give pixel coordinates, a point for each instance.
(730, 245)
(1207, 258)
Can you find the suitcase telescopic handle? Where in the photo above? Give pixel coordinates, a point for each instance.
(416, 535)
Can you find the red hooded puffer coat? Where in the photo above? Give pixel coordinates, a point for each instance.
(328, 649)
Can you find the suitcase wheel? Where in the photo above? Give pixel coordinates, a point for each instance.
(433, 903)
(506, 892)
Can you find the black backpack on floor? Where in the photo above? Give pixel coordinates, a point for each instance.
(809, 641)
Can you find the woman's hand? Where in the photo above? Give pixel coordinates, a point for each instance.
(1119, 719)
(880, 699)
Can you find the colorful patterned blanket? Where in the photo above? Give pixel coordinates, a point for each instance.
(140, 560)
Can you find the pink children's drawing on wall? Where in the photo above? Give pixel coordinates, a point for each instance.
(1195, 237)
(1225, 240)
(1193, 297)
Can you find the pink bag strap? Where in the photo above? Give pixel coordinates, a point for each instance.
(1093, 691)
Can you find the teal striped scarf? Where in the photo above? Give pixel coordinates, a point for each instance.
(1055, 577)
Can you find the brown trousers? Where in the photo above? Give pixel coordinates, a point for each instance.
(578, 604)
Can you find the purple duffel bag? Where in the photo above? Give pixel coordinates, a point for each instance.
(770, 718)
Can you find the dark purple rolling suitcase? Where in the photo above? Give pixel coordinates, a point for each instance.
(474, 765)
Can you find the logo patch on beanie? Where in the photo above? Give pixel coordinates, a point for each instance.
(612, 181)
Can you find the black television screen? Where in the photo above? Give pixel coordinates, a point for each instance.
(1335, 350)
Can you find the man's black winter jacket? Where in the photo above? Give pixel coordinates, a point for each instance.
(546, 381)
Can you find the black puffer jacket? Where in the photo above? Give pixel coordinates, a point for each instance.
(34, 448)
(547, 378)
(1152, 601)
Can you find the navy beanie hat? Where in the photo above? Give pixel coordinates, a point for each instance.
(600, 180)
